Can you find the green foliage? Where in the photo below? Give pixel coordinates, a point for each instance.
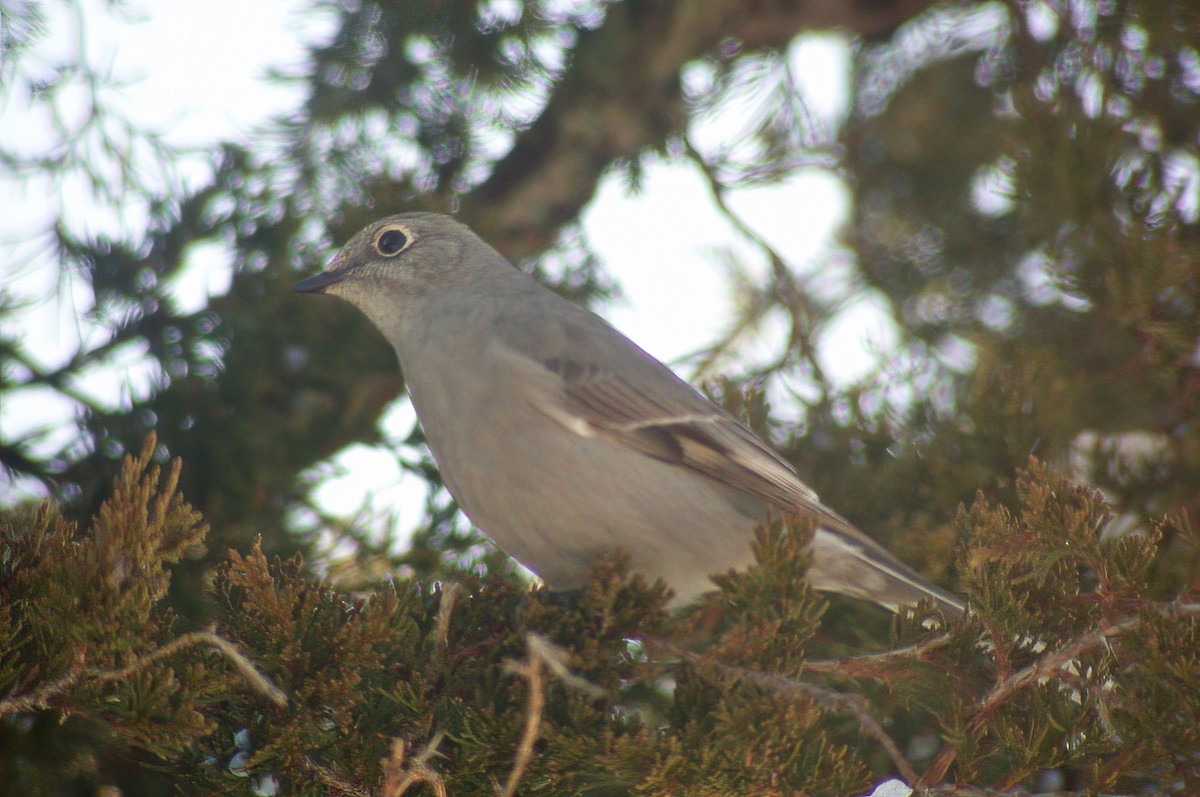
(1062, 663)
(771, 612)
(1066, 665)
(1053, 553)
(80, 610)
(430, 663)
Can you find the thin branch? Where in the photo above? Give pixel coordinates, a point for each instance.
(400, 772)
(1048, 666)
(260, 683)
(40, 698)
(830, 699)
(58, 379)
(1045, 667)
(798, 303)
(441, 639)
(872, 665)
(540, 651)
(530, 670)
(441, 633)
(555, 659)
(329, 778)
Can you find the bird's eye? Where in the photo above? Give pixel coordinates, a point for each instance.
(391, 241)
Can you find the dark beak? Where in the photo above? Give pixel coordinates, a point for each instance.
(317, 283)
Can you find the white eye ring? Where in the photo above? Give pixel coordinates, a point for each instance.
(391, 240)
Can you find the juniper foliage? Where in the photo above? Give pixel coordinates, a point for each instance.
(1065, 662)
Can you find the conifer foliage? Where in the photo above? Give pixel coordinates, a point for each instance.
(479, 685)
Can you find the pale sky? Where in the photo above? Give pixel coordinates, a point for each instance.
(663, 244)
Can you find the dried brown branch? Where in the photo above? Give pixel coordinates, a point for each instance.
(450, 597)
(876, 665)
(531, 671)
(540, 653)
(555, 659)
(441, 637)
(40, 698)
(1047, 666)
(829, 699)
(400, 771)
(328, 778)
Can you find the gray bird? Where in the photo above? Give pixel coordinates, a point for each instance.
(562, 440)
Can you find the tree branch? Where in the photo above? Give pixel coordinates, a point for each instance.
(40, 698)
(602, 111)
(1045, 667)
(823, 696)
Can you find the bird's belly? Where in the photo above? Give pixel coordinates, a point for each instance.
(575, 498)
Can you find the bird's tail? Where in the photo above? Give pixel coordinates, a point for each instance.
(853, 564)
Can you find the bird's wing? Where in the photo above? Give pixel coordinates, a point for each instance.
(663, 417)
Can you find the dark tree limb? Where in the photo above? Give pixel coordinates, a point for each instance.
(621, 96)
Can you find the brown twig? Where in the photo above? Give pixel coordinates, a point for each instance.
(555, 659)
(40, 698)
(530, 670)
(329, 778)
(823, 696)
(871, 665)
(441, 634)
(540, 652)
(445, 611)
(1045, 667)
(400, 771)
(1048, 665)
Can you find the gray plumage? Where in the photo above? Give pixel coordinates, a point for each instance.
(562, 440)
